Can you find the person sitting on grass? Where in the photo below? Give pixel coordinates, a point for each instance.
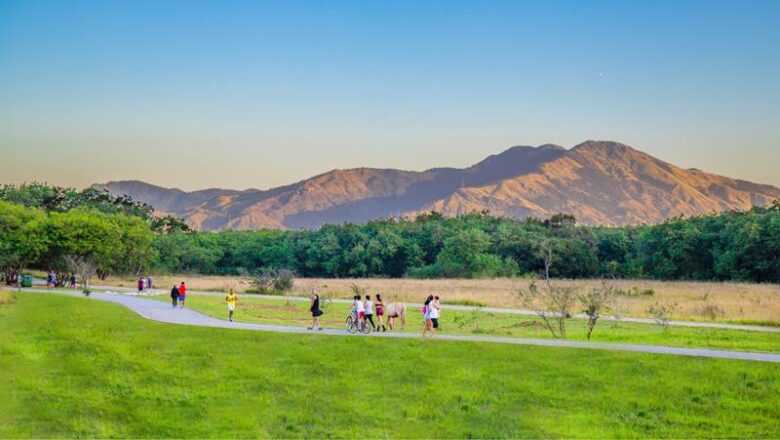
(174, 295)
(231, 299)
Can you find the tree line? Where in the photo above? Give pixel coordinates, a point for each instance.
(734, 245)
(59, 229)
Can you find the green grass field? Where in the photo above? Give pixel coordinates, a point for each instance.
(75, 367)
(280, 311)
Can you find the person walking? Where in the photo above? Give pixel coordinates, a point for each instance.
(140, 285)
(369, 314)
(358, 310)
(435, 313)
(51, 280)
(380, 311)
(316, 312)
(149, 282)
(182, 294)
(231, 300)
(426, 312)
(73, 281)
(174, 295)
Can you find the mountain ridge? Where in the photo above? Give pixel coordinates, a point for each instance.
(599, 182)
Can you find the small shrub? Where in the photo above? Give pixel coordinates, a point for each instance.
(273, 281)
(551, 303)
(596, 301)
(661, 312)
(469, 320)
(358, 291)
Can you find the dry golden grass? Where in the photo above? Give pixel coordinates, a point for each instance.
(6, 297)
(701, 301)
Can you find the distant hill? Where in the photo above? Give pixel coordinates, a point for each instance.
(605, 183)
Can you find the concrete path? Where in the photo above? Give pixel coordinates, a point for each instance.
(162, 311)
(755, 328)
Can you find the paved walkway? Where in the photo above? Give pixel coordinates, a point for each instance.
(163, 312)
(755, 328)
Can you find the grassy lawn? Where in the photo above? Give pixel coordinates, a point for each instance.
(280, 311)
(74, 367)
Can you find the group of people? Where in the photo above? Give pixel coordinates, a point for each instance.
(144, 284)
(179, 295)
(51, 280)
(363, 310)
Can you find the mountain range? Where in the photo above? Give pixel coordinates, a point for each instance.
(599, 182)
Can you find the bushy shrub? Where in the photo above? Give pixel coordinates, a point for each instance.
(273, 281)
(662, 313)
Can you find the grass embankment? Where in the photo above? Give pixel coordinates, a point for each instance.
(75, 367)
(741, 303)
(281, 311)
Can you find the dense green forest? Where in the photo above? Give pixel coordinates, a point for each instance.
(118, 235)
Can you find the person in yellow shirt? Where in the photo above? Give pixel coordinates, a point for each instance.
(231, 299)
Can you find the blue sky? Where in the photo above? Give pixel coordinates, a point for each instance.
(258, 94)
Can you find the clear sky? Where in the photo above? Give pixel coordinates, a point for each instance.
(257, 94)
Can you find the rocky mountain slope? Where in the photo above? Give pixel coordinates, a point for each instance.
(598, 182)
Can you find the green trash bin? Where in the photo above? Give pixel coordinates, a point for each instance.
(26, 281)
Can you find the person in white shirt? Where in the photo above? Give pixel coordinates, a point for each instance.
(435, 312)
(426, 311)
(369, 314)
(359, 309)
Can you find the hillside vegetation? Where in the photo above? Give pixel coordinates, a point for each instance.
(115, 236)
(731, 246)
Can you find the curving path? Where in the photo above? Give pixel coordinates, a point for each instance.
(745, 327)
(162, 311)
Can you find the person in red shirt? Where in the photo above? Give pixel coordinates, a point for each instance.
(182, 294)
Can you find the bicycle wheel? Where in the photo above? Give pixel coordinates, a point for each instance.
(366, 329)
(351, 325)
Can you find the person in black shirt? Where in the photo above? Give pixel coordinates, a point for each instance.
(175, 295)
(316, 312)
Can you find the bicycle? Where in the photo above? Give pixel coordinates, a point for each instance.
(353, 325)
